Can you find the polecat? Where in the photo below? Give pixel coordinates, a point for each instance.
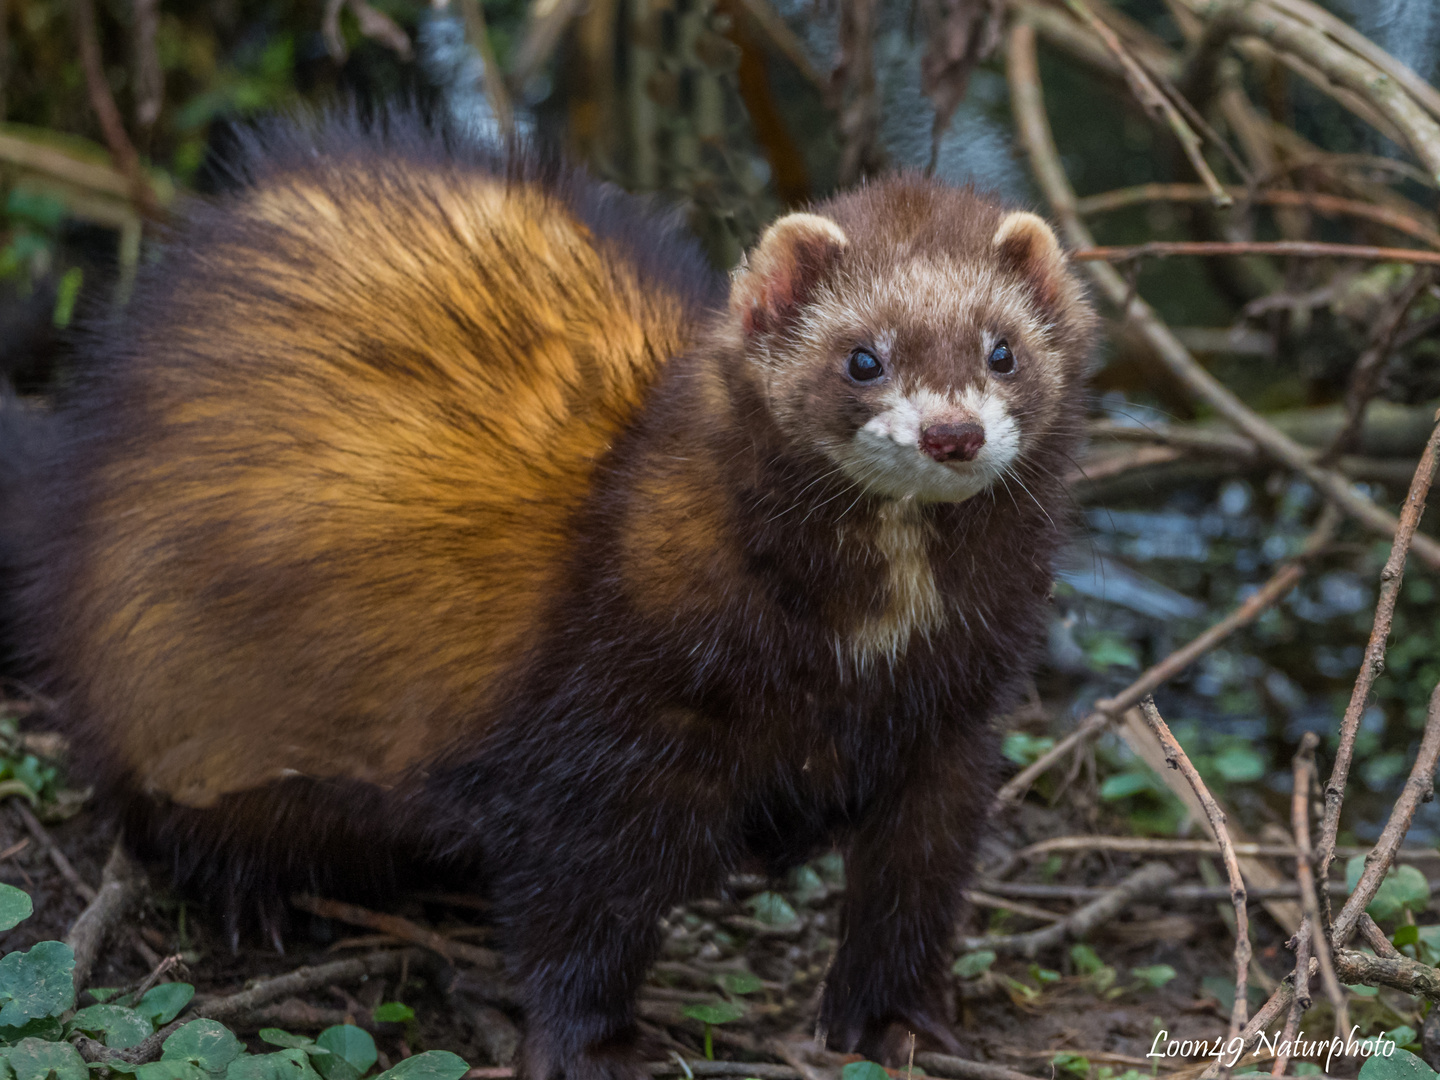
(434, 511)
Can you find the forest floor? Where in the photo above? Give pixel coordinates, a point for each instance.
(1088, 1011)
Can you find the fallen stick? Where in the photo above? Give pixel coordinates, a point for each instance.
(1150, 879)
(398, 927)
(233, 1007)
(121, 885)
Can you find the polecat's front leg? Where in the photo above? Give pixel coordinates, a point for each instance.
(905, 871)
(596, 858)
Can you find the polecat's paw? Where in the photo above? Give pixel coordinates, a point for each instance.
(541, 1059)
(891, 1047)
(888, 1040)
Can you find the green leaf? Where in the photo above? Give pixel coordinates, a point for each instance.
(772, 909)
(66, 293)
(1154, 975)
(333, 1067)
(121, 1028)
(36, 984)
(740, 982)
(289, 1064)
(1401, 1065)
(1403, 1035)
(974, 964)
(831, 868)
(103, 994)
(173, 1069)
(1408, 934)
(45, 1027)
(15, 907)
(1086, 960)
(163, 1003)
(1362, 990)
(206, 1044)
(1404, 888)
(1072, 1063)
(350, 1044)
(431, 1065)
(1043, 975)
(863, 1070)
(280, 1037)
(37, 1059)
(1123, 785)
(806, 885)
(1023, 748)
(1240, 763)
(393, 1012)
(722, 1012)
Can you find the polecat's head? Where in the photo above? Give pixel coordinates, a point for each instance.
(923, 338)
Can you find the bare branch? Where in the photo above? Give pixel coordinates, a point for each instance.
(1026, 100)
(1176, 757)
(1312, 928)
(1420, 787)
(1390, 578)
(1159, 249)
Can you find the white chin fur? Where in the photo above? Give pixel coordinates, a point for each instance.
(885, 455)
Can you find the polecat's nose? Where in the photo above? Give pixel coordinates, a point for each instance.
(953, 442)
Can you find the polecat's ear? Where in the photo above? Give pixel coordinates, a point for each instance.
(782, 270)
(1027, 246)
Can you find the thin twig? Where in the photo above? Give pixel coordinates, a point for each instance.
(57, 857)
(1030, 890)
(1376, 938)
(1304, 773)
(398, 927)
(1156, 845)
(1337, 63)
(1154, 101)
(1159, 249)
(1176, 758)
(1107, 709)
(112, 125)
(1374, 662)
(1420, 787)
(1319, 202)
(1266, 1015)
(1301, 1003)
(1365, 376)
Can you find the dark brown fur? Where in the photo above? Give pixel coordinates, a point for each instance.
(401, 530)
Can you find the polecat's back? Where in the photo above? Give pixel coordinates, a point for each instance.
(321, 481)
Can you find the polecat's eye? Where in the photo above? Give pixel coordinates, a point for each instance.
(864, 367)
(1002, 360)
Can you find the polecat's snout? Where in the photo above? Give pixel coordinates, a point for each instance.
(953, 442)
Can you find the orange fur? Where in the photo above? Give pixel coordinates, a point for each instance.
(432, 408)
